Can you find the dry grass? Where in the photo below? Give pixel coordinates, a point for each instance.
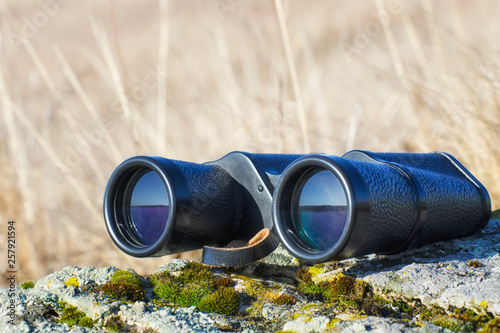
(97, 82)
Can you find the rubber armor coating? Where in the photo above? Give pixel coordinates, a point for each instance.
(450, 204)
(213, 211)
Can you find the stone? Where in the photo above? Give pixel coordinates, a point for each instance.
(307, 324)
(441, 274)
(428, 289)
(280, 257)
(173, 266)
(384, 325)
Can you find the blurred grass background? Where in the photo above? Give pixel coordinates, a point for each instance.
(86, 84)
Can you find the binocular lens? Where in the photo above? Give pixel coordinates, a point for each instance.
(321, 209)
(149, 207)
(313, 207)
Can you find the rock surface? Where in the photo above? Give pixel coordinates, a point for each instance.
(460, 273)
(447, 285)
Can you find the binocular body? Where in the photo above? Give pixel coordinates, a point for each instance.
(320, 207)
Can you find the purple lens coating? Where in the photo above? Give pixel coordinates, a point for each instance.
(149, 208)
(322, 210)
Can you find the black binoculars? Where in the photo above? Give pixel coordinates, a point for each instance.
(321, 207)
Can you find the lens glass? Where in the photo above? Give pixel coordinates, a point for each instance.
(322, 209)
(149, 208)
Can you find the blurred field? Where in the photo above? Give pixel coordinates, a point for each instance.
(86, 84)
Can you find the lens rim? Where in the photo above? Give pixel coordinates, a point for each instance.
(356, 199)
(119, 189)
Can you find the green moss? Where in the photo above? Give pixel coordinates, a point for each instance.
(195, 272)
(194, 282)
(27, 285)
(223, 282)
(431, 313)
(361, 289)
(183, 295)
(312, 288)
(403, 307)
(347, 293)
(341, 285)
(224, 301)
(114, 323)
(308, 306)
(126, 276)
(492, 326)
(86, 322)
(306, 284)
(125, 285)
(283, 299)
(452, 323)
(72, 282)
(347, 304)
(160, 278)
(71, 316)
(304, 276)
(160, 303)
(460, 320)
(470, 317)
(474, 263)
(123, 291)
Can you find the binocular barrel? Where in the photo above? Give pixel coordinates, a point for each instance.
(332, 208)
(155, 206)
(322, 207)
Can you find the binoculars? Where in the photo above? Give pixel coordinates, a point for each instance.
(320, 207)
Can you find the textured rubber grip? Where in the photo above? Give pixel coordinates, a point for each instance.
(455, 204)
(393, 208)
(416, 199)
(211, 213)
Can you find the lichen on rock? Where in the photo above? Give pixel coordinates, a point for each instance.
(442, 287)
